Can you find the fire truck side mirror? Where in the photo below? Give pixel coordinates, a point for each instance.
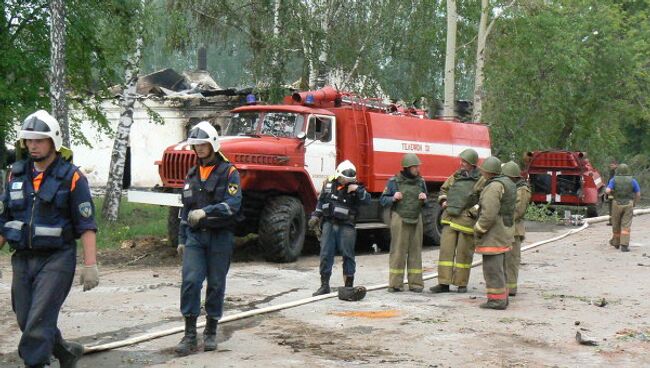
(302, 136)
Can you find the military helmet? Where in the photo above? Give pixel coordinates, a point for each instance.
(41, 125)
(204, 132)
(410, 159)
(492, 165)
(470, 156)
(511, 169)
(623, 169)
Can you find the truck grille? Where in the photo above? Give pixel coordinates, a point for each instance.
(174, 167)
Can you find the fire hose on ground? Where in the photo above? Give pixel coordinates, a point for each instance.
(274, 308)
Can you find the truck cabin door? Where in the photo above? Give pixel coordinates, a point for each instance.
(320, 151)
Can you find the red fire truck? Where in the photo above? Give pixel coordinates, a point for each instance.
(566, 179)
(285, 152)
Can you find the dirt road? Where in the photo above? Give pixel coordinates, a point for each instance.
(561, 286)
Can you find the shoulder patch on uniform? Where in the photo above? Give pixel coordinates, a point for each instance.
(86, 209)
(233, 188)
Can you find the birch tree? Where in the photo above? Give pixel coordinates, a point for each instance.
(113, 195)
(449, 106)
(57, 68)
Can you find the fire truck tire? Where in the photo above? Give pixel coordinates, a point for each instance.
(173, 224)
(431, 223)
(282, 229)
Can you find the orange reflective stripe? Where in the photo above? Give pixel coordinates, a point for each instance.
(492, 249)
(625, 232)
(232, 169)
(75, 178)
(498, 296)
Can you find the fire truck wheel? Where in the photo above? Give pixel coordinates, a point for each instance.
(173, 224)
(282, 229)
(431, 222)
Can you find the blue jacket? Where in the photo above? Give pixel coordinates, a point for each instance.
(219, 195)
(52, 215)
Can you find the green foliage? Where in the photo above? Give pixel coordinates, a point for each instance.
(542, 213)
(134, 220)
(567, 75)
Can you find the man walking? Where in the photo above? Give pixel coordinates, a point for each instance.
(406, 194)
(494, 230)
(46, 206)
(458, 196)
(627, 193)
(211, 206)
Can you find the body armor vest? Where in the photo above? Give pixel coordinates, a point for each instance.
(41, 220)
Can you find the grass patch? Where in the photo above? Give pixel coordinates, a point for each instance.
(135, 220)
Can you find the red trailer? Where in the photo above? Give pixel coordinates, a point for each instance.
(285, 152)
(565, 178)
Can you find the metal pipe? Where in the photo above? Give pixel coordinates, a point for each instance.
(237, 316)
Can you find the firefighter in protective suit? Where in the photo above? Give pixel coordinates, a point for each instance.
(406, 194)
(46, 206)
(494, 230)
(211, 207)
(627, 193)
(336, 212)
(513, 258)
(458, 196)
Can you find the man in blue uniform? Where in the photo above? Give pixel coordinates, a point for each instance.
(338, 207)
(46, 206)
(211, 206)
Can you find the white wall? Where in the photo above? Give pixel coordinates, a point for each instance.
(148, 140)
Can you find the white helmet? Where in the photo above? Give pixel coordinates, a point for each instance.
(204, 132)
(346, 170)
(40, 125)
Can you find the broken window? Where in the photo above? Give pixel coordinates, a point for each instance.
(320, 128)
(568, 184)
(540, 183)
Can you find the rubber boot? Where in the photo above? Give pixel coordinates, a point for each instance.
(611, 242)
(188, 344)
(512, 292)
(440, 288)
(349, 281)
(462, 289)
(625, 248)
(68, 353)
(495, 304)
(324, 286)
(210, 335)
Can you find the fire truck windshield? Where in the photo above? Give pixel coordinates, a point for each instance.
(277, 124)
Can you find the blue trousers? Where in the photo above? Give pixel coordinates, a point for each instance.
(40, 284)
(341, 237)
(207, 255)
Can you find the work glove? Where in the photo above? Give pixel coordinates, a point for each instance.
(195, 216)
(313, 222)
(180, 249)
(422, 196)
(352, 187)
(89, 277)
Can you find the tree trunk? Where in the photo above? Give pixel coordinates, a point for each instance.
(322, 78)
(111, 206)
(57, 68)
(479, 76)
(449, 107)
